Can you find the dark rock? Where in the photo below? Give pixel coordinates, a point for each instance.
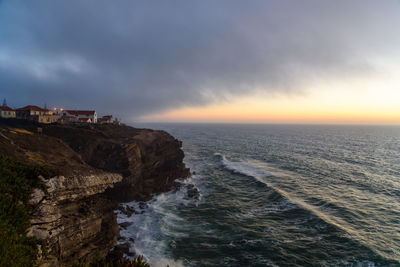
(118, 251)
(193, 192)
(142, 205)
(121, 209)
(131, 254)
(129, 211)
(125, 224)
(124, 247)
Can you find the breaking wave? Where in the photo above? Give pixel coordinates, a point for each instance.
(152, 227)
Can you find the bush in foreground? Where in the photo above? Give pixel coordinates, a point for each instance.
(17, 181)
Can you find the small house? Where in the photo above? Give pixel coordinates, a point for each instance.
(85, 120)
(35, 113)
(82, 114)
(106, 119)
(7, 112)
(28, 111)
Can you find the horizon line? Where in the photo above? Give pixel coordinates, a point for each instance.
(270, 123)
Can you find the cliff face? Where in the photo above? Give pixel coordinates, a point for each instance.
(75, 219)
(100, 165)
(149, 160)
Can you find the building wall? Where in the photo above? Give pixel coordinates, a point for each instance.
(64, 119)
(7, 114)
(48, 118)
(93, 118)
(23, 114)
(45, 118)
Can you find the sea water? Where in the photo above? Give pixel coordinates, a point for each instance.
(276, 195)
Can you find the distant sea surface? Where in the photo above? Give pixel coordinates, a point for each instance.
(276, 195)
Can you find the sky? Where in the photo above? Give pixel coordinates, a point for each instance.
(256, 61)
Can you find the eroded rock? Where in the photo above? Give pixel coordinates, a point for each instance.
(100, 166)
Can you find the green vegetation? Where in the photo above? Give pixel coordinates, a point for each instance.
(17, 180)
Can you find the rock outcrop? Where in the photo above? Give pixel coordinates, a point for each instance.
(149, 160)
(100, 166)
(75, 219)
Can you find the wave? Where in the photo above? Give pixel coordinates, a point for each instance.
(257, 170)
(151, 230)
(261, 172)
(251, 169)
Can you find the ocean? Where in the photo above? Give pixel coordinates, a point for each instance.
(276, 195)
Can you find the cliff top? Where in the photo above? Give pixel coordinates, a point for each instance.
(82, 149)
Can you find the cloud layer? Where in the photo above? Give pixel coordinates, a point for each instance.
(133, 58)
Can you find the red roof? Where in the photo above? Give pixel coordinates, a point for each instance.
(81, 112)
(31, 107)
(107, 117)
(6, 108)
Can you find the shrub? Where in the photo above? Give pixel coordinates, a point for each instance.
(17, 180)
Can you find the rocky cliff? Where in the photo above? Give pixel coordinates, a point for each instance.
(100, 166)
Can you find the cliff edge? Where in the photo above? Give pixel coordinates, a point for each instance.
(99, 166)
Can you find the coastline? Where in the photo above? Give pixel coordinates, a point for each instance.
(101, 166)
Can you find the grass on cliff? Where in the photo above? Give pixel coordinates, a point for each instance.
(17, 181)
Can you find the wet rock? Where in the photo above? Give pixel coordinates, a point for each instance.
(193, 192)
(131, 254)
(127, 210)
(125, 224)
(124, 248)
(142, 205)
(118, 251)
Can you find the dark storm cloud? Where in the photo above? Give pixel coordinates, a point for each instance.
(139, 57)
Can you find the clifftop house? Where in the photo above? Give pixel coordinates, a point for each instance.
(82, 114)
(86, 120)
(7, 112)
(25, 112)
(106, 119)
(36, 113)
(44, 115)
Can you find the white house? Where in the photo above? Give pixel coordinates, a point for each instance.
(82, 114)
(106, 119)
(7, 112)
(85, 120)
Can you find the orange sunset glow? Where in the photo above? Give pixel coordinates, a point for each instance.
(372, 101)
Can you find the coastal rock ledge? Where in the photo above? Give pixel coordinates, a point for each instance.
(99, 166)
